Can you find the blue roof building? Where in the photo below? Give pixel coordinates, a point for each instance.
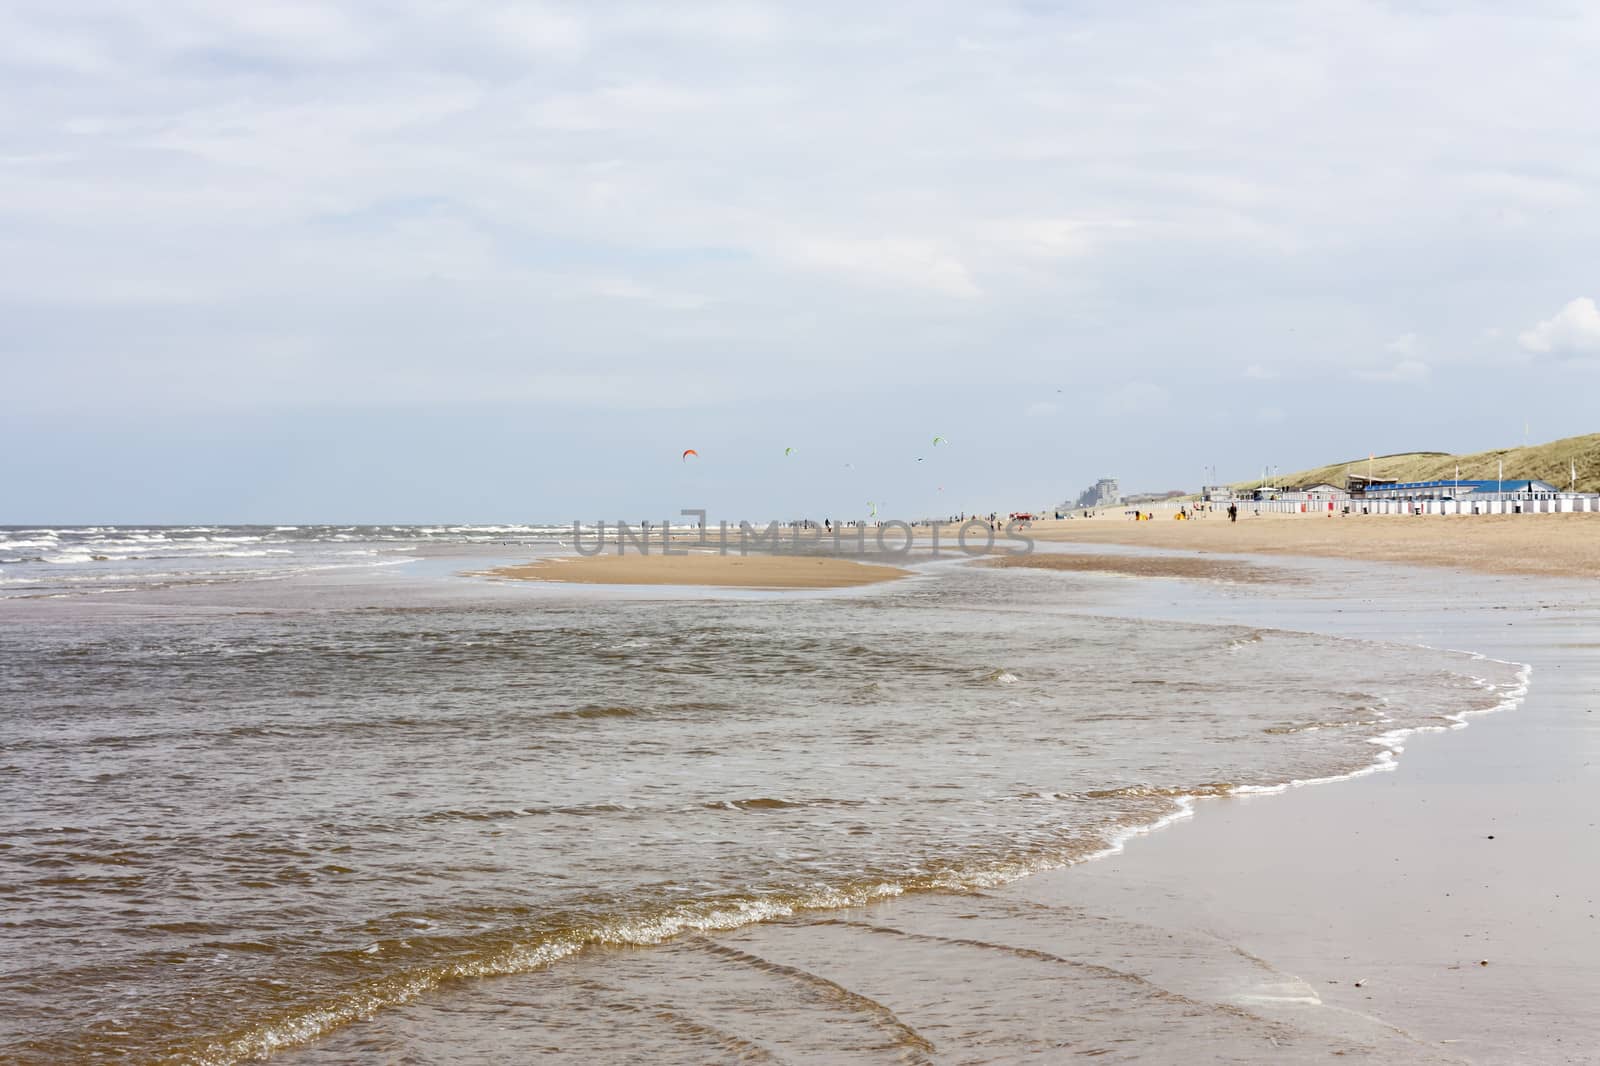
(1452, 489)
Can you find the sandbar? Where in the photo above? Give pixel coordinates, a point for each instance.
(705, 569)
(1184, 566)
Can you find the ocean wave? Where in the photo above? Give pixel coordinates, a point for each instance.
(36, 542)
(421, 963)
(772, 803)
(1208, 788)
(71, 558)
(598, 711)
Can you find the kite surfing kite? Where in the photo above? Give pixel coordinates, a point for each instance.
(788, 452)
(940, 440)
(688, 452)
(872, 509)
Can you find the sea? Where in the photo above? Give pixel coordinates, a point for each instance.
(265, 790)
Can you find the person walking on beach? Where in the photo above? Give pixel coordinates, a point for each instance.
(1233, 512)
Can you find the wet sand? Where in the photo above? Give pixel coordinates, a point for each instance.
(1458, 890)
(703, 569)
(1566, 545)
(1191, 567)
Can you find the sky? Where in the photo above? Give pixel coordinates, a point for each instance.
(470, 261)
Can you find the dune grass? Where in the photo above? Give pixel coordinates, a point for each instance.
(1548, 462)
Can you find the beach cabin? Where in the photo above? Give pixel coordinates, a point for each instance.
(1319, 498)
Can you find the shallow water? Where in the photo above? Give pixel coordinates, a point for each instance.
(238, 817)
(43, 562)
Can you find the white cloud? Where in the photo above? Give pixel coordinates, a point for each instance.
(888, 262)
(730, 23)
(618, 107)
(1089, 190)
(294, 29)
(1049, 238)
(1138, 397)
(628, 289)
(1575, 328)
(1404, 345)
(538, 30)
(1406, 371)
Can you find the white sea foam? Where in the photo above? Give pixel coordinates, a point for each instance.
(29, 542)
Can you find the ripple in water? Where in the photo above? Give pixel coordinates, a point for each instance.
(230, 831)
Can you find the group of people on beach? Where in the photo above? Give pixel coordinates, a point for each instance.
(1183, 513)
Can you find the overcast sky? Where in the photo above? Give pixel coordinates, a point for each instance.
(447, 260)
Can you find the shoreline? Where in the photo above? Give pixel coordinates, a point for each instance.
(1392, 994)
(1304, 858)
(1545, 545)
(703, 570)
(1311, 925)
(1347, 920)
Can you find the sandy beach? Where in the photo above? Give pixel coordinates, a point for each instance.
(1561, 545)
(1555, 545)
(706, 570)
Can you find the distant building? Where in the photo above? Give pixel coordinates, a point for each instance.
(1322, 492)
(1103, 493)
(1359, 485)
